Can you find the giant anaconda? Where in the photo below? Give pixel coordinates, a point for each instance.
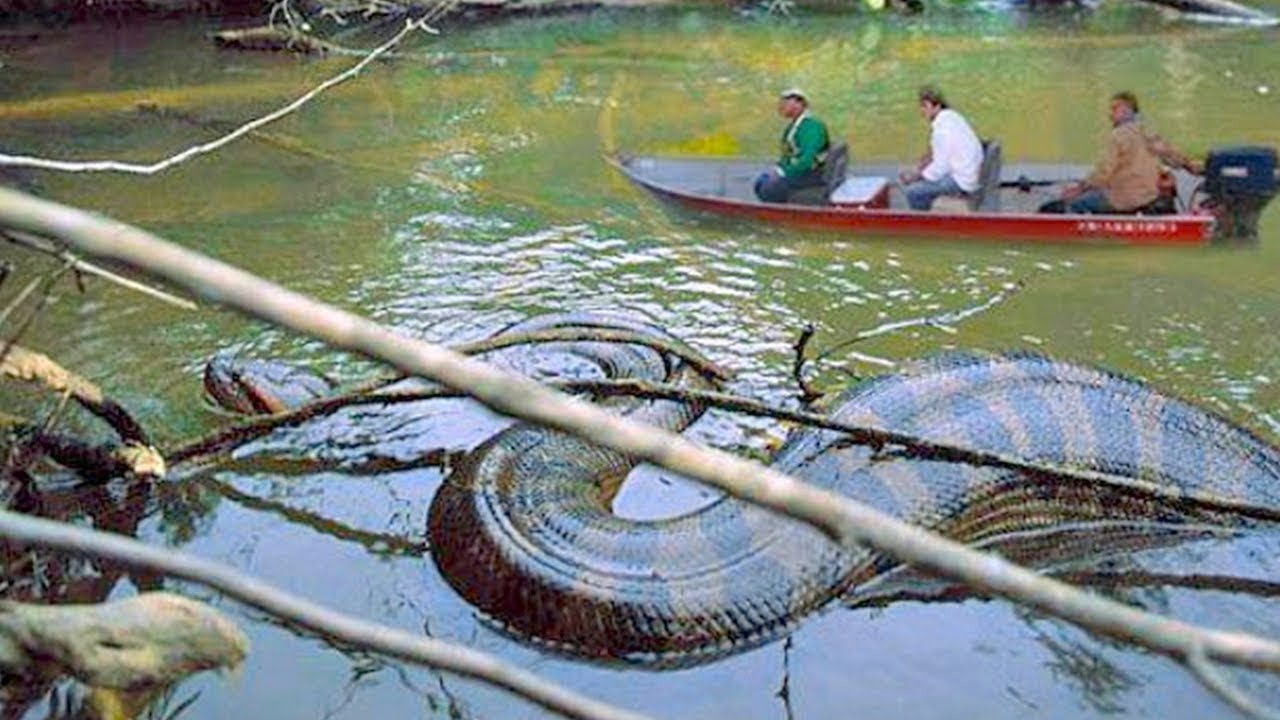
(523, 530)
(522, 527)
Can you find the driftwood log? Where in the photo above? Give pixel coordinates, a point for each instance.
(149, 640)
(276, 37)
(134, 454)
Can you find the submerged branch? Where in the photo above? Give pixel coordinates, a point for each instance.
(23, 364)
(941, 321)
(258, 426)
(914, 446)
(880, 440)
(94, 462)
(370, 392)
(807, 394)
(842, 518)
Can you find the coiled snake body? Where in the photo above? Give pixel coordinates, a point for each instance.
(523, 529)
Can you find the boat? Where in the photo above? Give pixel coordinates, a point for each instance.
(865, 200)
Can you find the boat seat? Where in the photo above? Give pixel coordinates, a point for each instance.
(987, 196)
(836, 167)
(834, 170)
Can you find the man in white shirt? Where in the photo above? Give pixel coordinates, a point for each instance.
(954, 159)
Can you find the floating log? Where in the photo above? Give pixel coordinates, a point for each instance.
(276, 38)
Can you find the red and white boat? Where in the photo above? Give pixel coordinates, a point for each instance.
(864, 200)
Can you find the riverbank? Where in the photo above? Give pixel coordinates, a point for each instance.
(23, 18)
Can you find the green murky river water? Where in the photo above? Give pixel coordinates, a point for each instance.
(450, 196)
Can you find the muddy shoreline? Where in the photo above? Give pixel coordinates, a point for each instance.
(24, 20)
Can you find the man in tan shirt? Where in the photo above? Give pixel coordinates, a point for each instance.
(1128, 175)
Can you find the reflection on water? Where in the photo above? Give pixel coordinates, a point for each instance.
(450, 202)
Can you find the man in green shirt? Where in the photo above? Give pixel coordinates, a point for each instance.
(804, 148)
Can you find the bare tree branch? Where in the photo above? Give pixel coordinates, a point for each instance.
(18, 300)
(41, 245)
(1213, 678)
(912, 445)
(907, 445)
(304, 613)
(807, 393)
(204, 148)
(94, 462)
(23, 364)
(47, 282)
(841, 518)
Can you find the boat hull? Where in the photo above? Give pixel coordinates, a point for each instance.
(714, 186)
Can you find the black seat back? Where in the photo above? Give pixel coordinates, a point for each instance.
(987, 196)
(836, 167)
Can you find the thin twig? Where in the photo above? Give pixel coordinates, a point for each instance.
(56, 412)
(48, 281)
(807, 393)
(942, 321)
(41, 245)
(843, 519)
(1216, 680)
(18, 300)
(914, 446)
(304, 613)
(195, 151)
(784, 691)
(258, 426)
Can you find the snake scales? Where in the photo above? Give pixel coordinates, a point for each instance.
(522, 528)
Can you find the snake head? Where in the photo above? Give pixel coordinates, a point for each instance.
(256, 387)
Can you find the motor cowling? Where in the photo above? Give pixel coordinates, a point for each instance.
(1239, 182)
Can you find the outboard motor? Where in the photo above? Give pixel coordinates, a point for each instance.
(1239, 182)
